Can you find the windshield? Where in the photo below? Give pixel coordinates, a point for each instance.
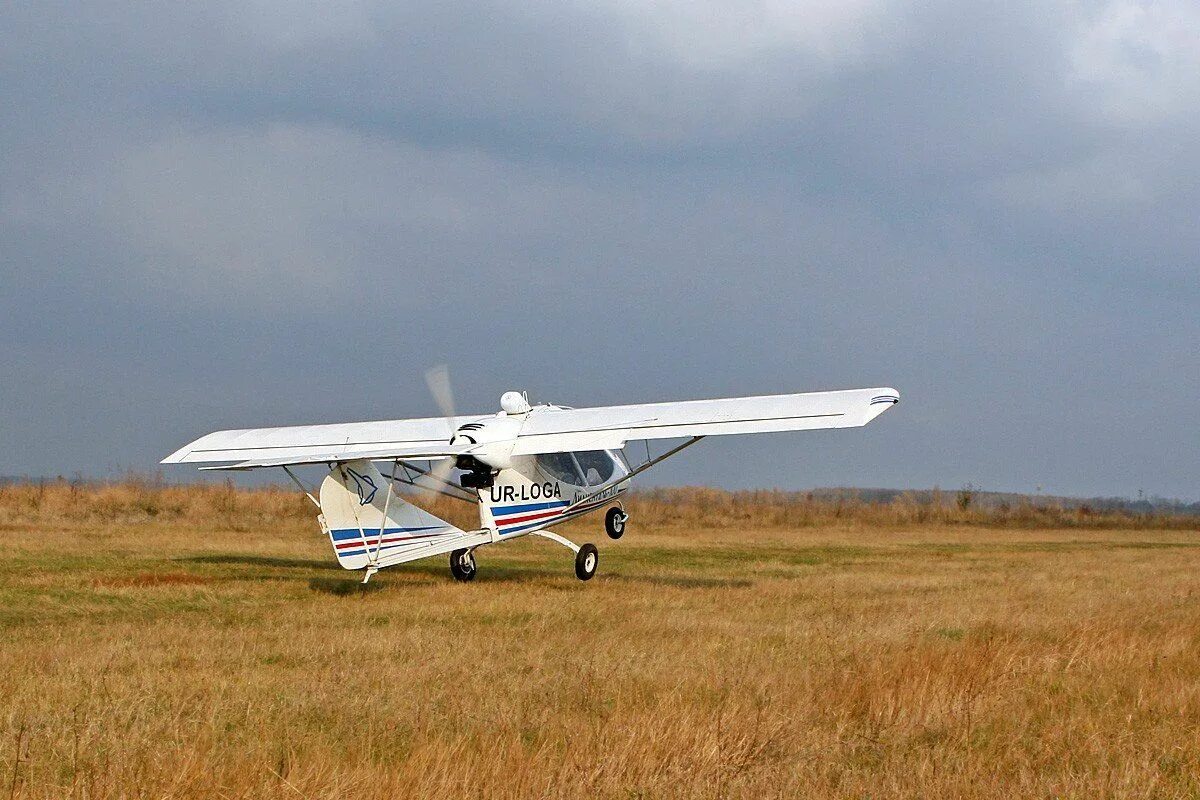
(597, 466)
(560, 466)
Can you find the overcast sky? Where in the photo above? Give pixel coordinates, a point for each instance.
(255, 213)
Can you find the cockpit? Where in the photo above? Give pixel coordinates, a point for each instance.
(583, 468)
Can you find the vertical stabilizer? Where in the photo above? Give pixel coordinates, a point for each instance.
(353, 497)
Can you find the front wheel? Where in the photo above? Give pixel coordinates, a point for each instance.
(614, 523)
(586, 561)
(462, 565)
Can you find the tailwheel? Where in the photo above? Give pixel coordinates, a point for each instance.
(462, 565)
(614, 522)
(586, 561)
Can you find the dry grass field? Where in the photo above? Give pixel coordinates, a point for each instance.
(160, 642)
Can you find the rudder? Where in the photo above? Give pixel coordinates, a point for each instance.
(352, 499)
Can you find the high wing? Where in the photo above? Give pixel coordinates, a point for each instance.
(550, 430)
(546, 429)
(315, 444)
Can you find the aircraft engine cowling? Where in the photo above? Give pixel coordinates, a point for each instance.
(495, 455)
(495, 436)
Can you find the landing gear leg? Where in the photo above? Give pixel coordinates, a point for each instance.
(462, 565)
(586, 556)
(614, 522)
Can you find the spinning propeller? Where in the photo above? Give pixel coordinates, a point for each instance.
(438, 380)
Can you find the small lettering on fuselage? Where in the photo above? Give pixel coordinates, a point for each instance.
(526, 491)
(611, 491)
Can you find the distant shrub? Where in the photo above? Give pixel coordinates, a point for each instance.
(964, 497)
(227, 506)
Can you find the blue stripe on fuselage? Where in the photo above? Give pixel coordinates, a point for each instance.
(549, 521)
(505, 510)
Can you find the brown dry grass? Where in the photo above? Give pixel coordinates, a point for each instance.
(200, 642)
(141, 499)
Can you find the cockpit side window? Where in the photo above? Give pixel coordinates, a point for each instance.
(597, 466)
(560, 466)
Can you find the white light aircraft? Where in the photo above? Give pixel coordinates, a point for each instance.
(528, 468)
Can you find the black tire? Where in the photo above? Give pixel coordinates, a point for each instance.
(462, 565)
(586, 561)
(614, 523)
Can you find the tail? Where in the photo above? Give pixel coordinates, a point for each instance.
(353, 499)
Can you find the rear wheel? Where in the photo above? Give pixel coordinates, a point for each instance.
(614, 523)
(462, 565)
(586, 561)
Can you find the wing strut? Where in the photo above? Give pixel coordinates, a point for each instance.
(362, 532)
(373, 564)
(409, 480)
(296, 480)
(650, 462)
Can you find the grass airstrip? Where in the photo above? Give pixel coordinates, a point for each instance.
(201, 642)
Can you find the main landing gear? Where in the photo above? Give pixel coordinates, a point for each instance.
(462, 565)
(586, 561)
(587, 558)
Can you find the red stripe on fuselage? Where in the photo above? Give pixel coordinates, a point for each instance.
(531, 517)
(565, 511)
(371, 540)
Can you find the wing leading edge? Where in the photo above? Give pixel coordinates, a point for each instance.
(555, 430)
(313, 444)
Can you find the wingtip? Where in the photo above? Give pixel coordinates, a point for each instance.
(886, 395)
(177, 457)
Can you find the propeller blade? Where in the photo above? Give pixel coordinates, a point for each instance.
(438, 380)
(441, 471)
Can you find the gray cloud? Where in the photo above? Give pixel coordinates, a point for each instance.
(244, 214)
